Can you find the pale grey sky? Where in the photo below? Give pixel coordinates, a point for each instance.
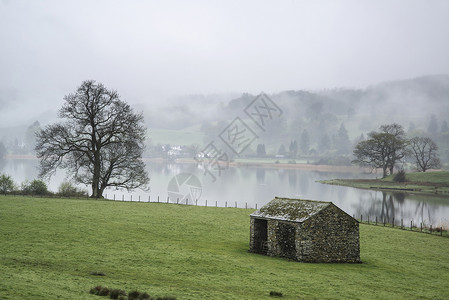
(151, 50)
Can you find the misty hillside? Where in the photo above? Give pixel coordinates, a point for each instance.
(323, 123)
(416, 97)
(317, 121)
(410, 103)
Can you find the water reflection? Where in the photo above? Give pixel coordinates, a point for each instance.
(292, 178)
(303, 183)
(387, 208)
(260, 175)
(400, 207)
(251, 186)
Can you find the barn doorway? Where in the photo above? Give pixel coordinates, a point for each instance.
(260, 236)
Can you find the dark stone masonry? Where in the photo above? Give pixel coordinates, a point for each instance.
(305, 231)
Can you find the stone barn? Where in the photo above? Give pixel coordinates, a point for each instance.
(305, 231)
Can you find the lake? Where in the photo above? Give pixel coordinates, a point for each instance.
(255, 186)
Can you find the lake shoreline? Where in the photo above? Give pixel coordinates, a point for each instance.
(272, 165)
(248, 164)
(427, 185)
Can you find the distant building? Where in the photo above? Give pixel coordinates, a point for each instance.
(305, 231)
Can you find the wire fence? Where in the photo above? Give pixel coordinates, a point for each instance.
(149, 199)
(180, 201)
(421, 227)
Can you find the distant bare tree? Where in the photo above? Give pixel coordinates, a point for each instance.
(396, 144)
(100, 143)
(382, 149)
(425, 153)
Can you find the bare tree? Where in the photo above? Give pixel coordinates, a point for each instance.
(396, 144)
(382, 149)
(100, 142)
(425, 153)
(372, 152)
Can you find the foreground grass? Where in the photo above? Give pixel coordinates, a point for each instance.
(418, 183)
(50, 247)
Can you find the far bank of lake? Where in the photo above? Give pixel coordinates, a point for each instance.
(429, 183)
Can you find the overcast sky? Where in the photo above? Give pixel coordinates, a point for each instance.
(151, 50)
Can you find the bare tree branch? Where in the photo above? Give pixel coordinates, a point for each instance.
(425, 153)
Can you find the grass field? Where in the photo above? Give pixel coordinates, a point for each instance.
(438, 177)
(50, 247)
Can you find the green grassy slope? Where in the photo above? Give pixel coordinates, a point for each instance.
(439, 177)
(49, 247)
(429, 183)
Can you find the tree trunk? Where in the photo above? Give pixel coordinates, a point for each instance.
(384, 169)
(96, 191)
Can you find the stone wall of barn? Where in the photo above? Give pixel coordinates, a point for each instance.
(329, 236)
(282, 239)
(251, 235)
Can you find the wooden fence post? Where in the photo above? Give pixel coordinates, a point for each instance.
(157, 199)
(206, 202)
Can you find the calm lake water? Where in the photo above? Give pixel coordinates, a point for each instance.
(251, 186)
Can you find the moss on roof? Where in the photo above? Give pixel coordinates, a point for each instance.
(296, 210)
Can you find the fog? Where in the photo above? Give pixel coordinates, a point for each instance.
(154, 51)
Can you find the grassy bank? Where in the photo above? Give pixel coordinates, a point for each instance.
(420, 183)
(51, 247)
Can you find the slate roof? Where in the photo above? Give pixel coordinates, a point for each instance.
(286, 209)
